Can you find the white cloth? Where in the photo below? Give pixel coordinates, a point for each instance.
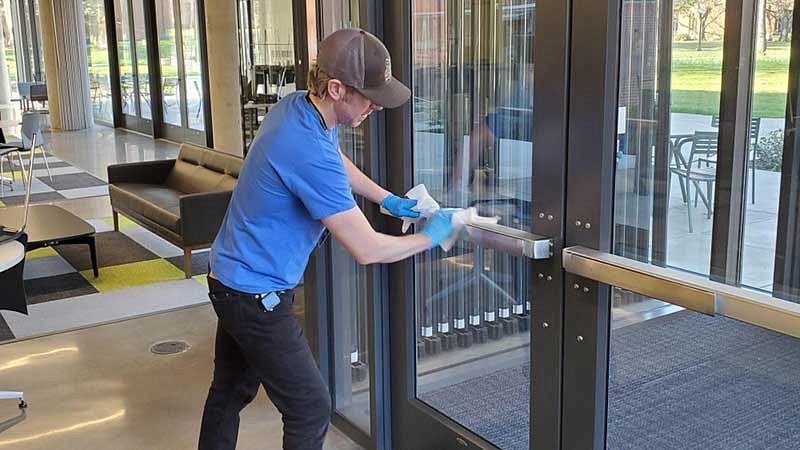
(427, 206)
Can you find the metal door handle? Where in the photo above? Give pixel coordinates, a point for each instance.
(685, 290)
(510, 240)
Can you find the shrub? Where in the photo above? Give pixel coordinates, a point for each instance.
(770, 151)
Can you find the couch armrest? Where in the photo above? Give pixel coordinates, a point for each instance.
(149, 172)
(201, 216)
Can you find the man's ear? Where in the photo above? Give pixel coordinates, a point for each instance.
(336, 89)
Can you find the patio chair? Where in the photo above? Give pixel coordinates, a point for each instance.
(699, 176)
(755, 130)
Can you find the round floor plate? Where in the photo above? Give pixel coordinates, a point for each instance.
(169, 347)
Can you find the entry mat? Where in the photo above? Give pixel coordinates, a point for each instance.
(136, 268)
(681, 381)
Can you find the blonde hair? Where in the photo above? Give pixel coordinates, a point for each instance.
(318, 81)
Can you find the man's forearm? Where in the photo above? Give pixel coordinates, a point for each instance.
(362, 184)
(389, 249)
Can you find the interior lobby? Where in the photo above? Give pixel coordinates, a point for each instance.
(631, 280)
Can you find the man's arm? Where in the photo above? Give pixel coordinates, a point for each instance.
(362, 184)
(368, 246)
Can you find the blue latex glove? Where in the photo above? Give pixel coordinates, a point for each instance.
(399, 206)
(439, 226)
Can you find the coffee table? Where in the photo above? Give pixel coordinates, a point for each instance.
(50, 225)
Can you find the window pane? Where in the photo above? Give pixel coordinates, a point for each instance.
(9, 55)
(669, 92)
(192, 64)
(765, 152)
(168, 58)
(97, 56)
(473, 126)
(142, 70)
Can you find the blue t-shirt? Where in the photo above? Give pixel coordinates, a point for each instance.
(293, 176)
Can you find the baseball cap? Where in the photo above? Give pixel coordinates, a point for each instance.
(360, 60)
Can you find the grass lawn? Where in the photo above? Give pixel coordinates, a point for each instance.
(696, 79)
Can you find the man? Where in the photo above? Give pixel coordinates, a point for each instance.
(295, 183)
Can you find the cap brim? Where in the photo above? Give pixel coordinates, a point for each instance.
(390, 95)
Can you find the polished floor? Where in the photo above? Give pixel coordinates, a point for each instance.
(102, 388)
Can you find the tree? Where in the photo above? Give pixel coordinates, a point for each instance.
(761, 18)
(780, 11)
(705, 12)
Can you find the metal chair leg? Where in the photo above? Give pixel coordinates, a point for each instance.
(13, 171)
(46, 165)
(22, 169)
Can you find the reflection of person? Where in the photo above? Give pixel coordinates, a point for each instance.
(295, 183)
(512, 119)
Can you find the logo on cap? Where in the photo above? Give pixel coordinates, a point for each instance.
(387, 73)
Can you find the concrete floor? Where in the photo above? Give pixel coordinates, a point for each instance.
(102, 388)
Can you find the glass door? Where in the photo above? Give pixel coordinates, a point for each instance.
(462, 318)
(133, 65)
(662, 171)
(181, 70)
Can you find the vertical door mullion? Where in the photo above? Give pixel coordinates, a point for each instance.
(594, 68)
(153, 68)
(371, 18)
(738, 62)
(34, 34)
(551, 87)
(113, 61)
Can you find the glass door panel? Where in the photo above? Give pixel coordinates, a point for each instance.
(672, 369)
(350, 287)
(766, 144)
(125, 54)
(472, 138)
(168, 55)
(192, 65)
(97, 56)
(668, 124)
(142, 74)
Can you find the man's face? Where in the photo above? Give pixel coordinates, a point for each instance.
(354, 108)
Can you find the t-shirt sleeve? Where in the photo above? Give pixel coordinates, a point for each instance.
(319, 180)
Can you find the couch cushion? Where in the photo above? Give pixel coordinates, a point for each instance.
(200, 169)
(159, 203)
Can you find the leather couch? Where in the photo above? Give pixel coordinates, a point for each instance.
(182, 200)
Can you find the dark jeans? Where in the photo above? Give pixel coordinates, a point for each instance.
(259, 347)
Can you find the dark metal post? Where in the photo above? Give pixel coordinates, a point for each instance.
(590, 192)
(734, 140)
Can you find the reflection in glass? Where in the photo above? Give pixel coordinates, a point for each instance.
(765, 153)
(669, 85)
(473, 126)
(168, 55)
(273, 48)
(192, 64)
(9, 56)
(350, 282)
(97, 56)
(124, 52)
(140, 47)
